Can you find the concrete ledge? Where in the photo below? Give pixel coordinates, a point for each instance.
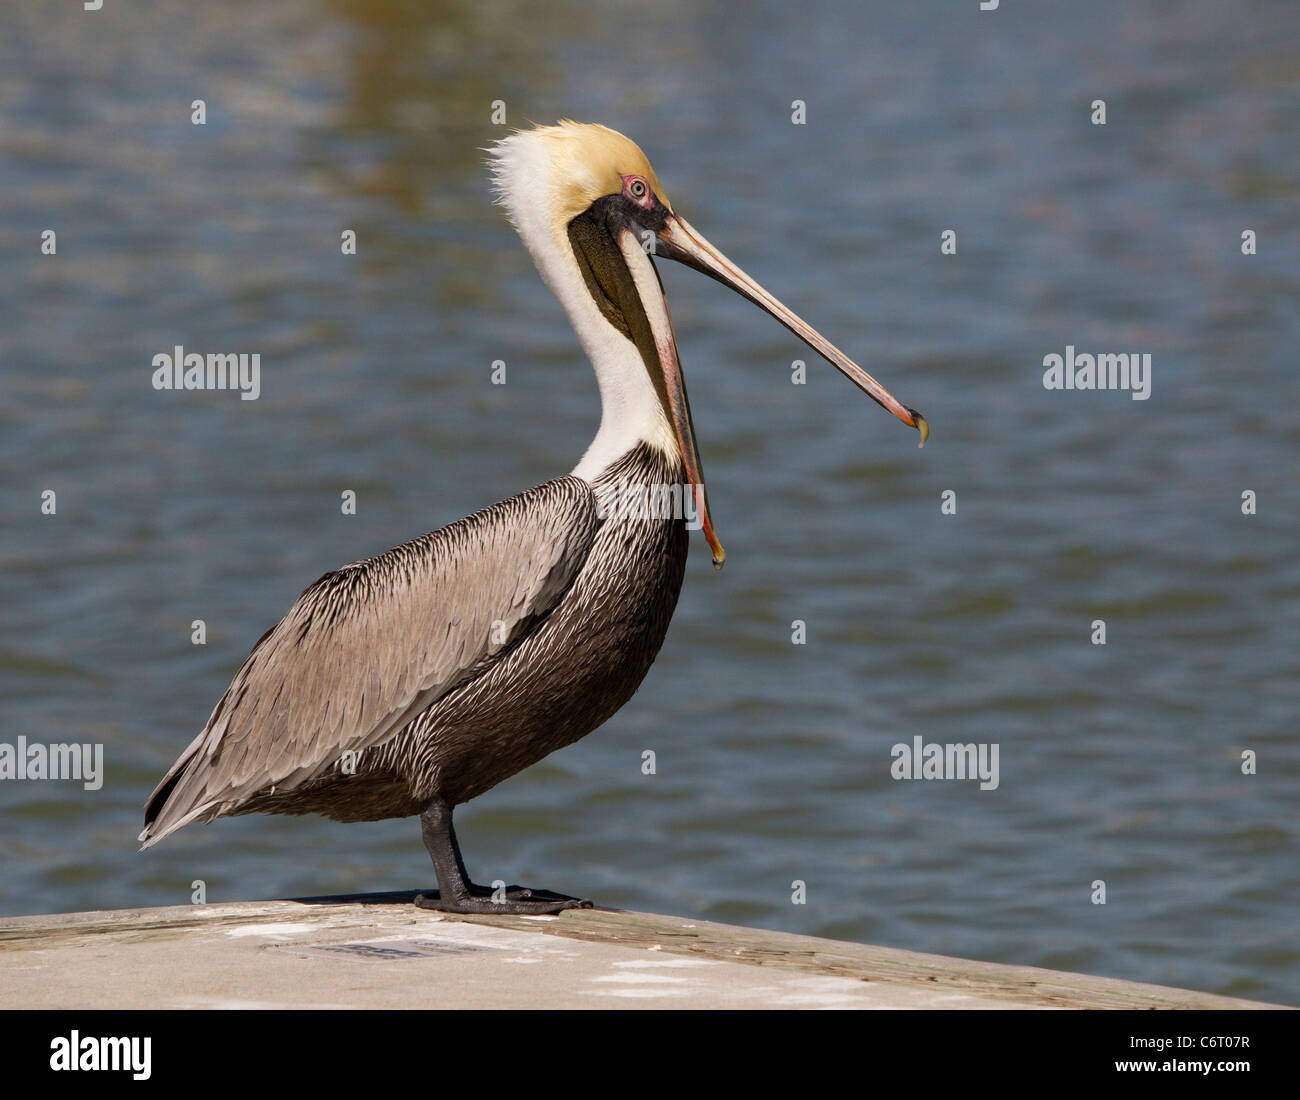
(379, 951)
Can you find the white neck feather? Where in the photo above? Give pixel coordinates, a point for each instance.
(630, 406)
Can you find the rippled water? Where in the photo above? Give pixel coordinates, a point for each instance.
(1119, 763)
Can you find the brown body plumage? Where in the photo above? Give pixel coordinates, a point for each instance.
(570, 664)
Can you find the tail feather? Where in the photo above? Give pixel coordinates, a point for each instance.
(162, 815)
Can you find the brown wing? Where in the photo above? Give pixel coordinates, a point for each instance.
(369, 646)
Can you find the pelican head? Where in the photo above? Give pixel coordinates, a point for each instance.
(592, 212)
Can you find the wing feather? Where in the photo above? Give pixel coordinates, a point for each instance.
(369, 646)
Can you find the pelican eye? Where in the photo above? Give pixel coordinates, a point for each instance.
(636, 189)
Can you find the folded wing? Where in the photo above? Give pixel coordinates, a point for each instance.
(368, 647)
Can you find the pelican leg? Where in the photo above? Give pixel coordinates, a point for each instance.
(457, 894)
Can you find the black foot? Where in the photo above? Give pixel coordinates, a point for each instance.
(457, 894)
(517, 899)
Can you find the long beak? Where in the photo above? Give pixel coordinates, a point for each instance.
(678, 241)
(651, 293)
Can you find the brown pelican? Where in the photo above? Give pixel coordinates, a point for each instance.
(414, 681)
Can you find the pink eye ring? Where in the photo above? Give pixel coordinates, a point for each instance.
(638, 190)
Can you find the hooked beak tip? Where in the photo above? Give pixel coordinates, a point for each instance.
(919, 422)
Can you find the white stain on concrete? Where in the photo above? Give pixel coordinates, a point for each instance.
(271, 929)
(642, 994)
